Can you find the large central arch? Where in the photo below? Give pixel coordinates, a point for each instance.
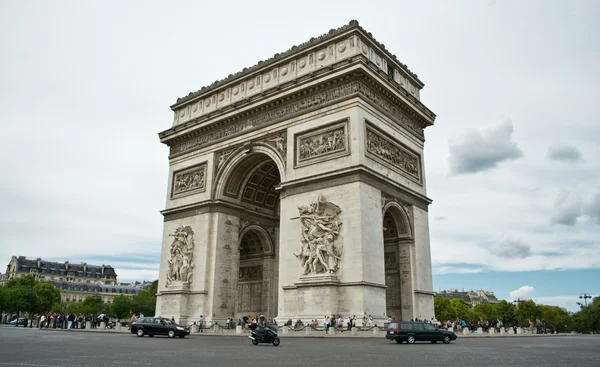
(249, 179)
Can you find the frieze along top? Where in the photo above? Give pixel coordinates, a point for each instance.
(338, 44)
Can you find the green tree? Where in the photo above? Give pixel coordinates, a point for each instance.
(506, 312)
(143, 302)
(441, 307)
(460, 309)
(3, 299)
(528, 311)
(486, 312)
(46, 296)
(121, 307)
(59, 308)
(153, 288)
(94, 305)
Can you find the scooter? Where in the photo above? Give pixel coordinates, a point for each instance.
(269, 336)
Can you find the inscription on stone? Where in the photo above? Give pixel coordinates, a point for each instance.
(329, 142)
(398, 157)
(189, 181)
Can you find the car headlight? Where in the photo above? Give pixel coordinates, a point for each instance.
(179, 328)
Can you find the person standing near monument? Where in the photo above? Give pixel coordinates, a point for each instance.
(201, 323)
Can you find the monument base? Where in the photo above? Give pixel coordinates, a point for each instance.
(314, 297)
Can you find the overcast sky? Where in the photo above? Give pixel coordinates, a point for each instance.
(511, 162)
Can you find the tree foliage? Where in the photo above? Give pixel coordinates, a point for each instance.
(587, 319)
(29, 295)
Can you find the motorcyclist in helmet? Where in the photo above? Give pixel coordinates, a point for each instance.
(262, 326)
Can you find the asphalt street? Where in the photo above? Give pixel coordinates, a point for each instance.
(35, 348)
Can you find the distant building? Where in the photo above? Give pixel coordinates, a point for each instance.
(471, 298)
(42, 270)
(75, 282)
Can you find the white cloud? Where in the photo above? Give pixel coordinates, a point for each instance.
(523, 292)
(476, 152)
(511, 249)
(567, 208)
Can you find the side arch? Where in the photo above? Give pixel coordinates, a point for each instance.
(401, 217)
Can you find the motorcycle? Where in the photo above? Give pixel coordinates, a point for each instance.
(269, 336)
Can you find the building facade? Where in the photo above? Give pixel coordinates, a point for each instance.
(75, 282)
(50, 271)
(472, 298)
(297, 189)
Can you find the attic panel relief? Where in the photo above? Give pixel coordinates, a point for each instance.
(384, 149)
(323, 143)
(189, 181)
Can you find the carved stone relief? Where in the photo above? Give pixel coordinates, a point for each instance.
(323, 143)
(279, 142)
(385, 149)
(181, 263)
(286, 110)
(320, 228)
(251, 273)
(189, 181)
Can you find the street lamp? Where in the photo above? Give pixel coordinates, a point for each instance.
(585, 297)
(518, 301)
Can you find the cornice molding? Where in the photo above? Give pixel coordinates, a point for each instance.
(356, 83)
(297, 50)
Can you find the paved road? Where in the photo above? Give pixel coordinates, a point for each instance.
(34, 348)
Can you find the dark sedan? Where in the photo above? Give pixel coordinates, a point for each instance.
(158, 326)
(411, 332)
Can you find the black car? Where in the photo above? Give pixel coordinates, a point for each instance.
(158, 326)
(411, 332)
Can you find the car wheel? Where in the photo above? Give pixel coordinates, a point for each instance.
(446, 339)
(171, 334)
(140, 332)
(410, 339)
(276, 341)
(398, 341)
(255, 342)
(181, 336)
(434, 341)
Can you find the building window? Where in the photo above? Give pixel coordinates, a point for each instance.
(68, 298)
(51, 278)
(79, 280)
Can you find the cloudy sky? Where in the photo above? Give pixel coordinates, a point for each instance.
(511, 162)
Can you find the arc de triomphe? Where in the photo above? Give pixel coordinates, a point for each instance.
(297, 189)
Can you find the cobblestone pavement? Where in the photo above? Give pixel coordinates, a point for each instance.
(35, 348)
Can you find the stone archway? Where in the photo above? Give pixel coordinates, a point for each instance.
(249, 180)
(397, 241)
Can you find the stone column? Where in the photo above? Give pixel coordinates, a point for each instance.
(88, 325)
(223, 267)
(479, 331)
(407, 272)
(238, 329)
